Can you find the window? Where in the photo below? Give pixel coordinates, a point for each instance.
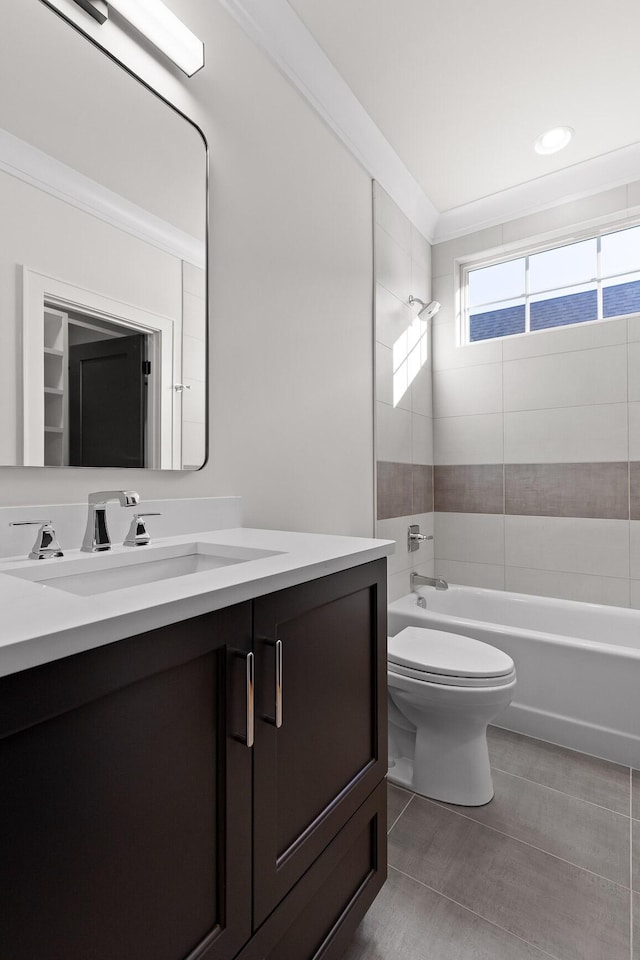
(592, 279)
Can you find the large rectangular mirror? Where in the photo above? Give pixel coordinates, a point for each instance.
(103, 238)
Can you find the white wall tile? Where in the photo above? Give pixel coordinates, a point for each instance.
(396, 529)
(443, 290)
(565, 215)
(634, 371)
(422, 392)
(471, 537)
(634, 431)
(633, 324)
(194, 403)
(634, 535)
(422, 439)
(575, 545)
(397, 585)
(567, 434)
(393, 433)
(420, 248)
(467, 390)
(390, 217)
(579, 336)
(384, 374)
(194, 316)
(487, 575)
(193, 444)
(444, 254)
(566, 379)
(420, 281)
(194, 359)
(194, 280)
(426, 569)
(470, 439)
(393, 316)
(392, 265)
(568, 586)
(447, 353)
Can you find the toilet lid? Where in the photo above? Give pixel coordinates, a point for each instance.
(447, 654)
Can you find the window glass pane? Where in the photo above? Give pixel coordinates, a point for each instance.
(564, 266)
(575, 305)
(621, 296)
(620, 252)
(503, 281)
(497, 320)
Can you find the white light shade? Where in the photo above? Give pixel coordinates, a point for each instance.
(164, 30)
(553, 140)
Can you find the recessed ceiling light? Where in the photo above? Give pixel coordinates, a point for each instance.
(553, 140)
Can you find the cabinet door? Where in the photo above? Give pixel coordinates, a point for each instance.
(313, 771)
(125, 799)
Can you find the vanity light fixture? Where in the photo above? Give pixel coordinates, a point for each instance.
(553, 140)
(159, 25)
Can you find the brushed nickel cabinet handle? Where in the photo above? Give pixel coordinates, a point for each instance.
(250, 690)
(278, 683)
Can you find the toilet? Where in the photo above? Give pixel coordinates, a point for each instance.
(444, 689)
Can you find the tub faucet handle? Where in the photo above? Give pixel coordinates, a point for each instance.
(415, 538)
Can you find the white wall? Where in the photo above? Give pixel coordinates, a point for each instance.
(290, 297)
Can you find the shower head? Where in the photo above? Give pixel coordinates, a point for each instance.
(429, 310)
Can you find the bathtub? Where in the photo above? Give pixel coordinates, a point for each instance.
(578, 664)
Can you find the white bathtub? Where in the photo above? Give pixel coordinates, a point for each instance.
(578, 664)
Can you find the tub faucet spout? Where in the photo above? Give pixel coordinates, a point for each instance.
(417, 580)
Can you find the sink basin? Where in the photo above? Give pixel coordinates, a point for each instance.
(100, 573)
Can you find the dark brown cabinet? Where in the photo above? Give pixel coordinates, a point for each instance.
(137, 822)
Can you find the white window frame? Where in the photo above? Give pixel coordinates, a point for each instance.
(469, 265)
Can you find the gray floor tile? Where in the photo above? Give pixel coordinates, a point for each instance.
(635, 856)
(397, 799)
(567, 912)
(410, 922)
(636, 794)
(587, 835)
(577, 774)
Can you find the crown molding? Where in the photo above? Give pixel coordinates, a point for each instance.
(33, 166)
(615, 169)
(275, 27)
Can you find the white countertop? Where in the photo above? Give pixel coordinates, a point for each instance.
(40, 623)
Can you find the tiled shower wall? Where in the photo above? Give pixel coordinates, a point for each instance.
(537, 439)
(404, 436)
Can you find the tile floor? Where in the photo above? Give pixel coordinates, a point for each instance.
(549, 868)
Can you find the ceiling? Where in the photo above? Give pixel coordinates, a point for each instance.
(461, 90)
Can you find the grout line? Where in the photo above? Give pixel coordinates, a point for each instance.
(526, 843)
(546, 786)
(484, 919)
(401, 812)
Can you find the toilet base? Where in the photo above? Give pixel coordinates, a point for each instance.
(461, 776)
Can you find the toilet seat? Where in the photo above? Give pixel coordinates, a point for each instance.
(434, 656)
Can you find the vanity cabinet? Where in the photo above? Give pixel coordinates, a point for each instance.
(137, 822)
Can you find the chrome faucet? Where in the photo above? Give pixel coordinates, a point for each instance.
(96, 537)
(417, 580)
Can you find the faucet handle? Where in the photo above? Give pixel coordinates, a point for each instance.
(415, 538)
(46, 545)
(138, 535)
